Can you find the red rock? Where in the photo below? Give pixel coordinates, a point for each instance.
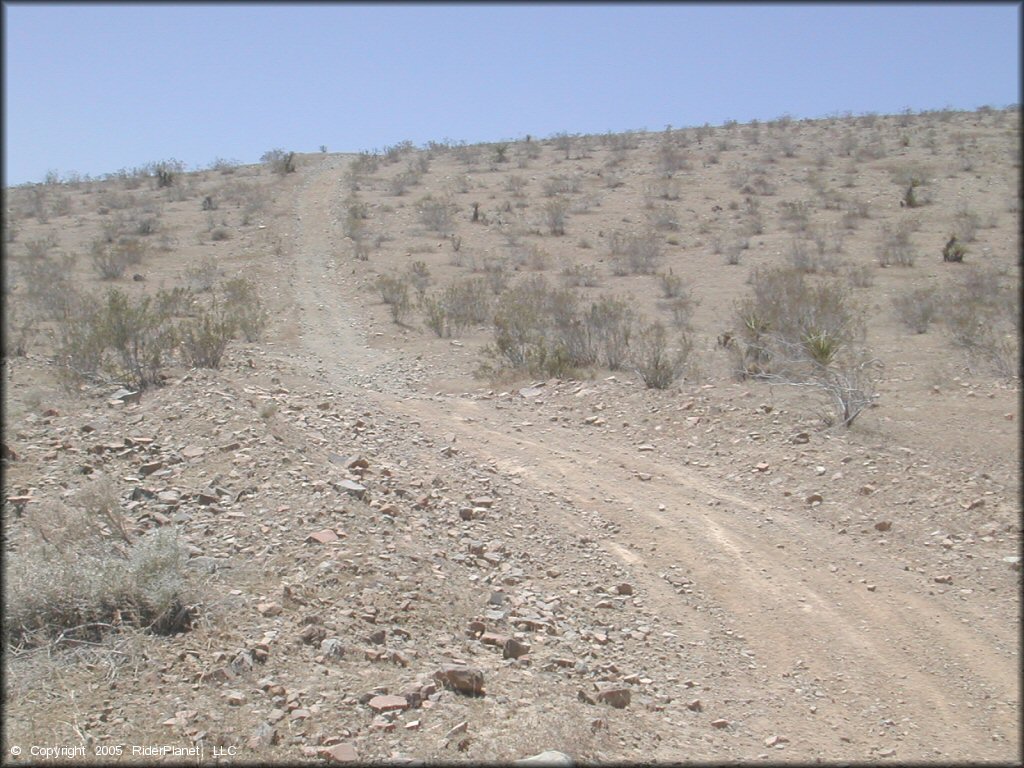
(322, 537)
(340, 753)
(468, 681)
(514, 649)
(492, 638)
(387, 703)
(615, 696)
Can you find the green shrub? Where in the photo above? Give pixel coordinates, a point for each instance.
(205, 338)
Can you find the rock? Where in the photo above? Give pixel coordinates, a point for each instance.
(482, 501)
(720, 723)
(377, 638)
(773, 740)
(387, 703)
(883, 525)
(8, 453)
(514, 649)
(547, 757)
(814, 498)
(615, 696)
(645, 448)
(468, 681)
(800, 438)
(695, 706)
(264, 735)
(340, 753)
(269, 609)
(350, 487)
(235, 698)
(624, 589)
(493, 638)
(322, 537)
(332, 648)
(458, 730)
(943, 579)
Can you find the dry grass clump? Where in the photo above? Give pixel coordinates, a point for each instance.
(77, 573)
(458, 306)
(634, 253)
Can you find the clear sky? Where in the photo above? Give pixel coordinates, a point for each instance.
(94, 88)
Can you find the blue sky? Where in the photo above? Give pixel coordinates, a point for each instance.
(94, 88)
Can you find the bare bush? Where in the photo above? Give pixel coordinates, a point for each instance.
(394, 292)
(634, 253)
(895, 247)
(437, 215)
(580, 275)
(917, 308)
(657, 363)
(279, 161)
(457, 306)
(555, 213)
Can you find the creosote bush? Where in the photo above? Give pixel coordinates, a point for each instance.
(655, 361)
(917, 308)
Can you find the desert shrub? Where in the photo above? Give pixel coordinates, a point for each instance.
(580, 275)
(394, 291)
(895, 247)
(860, 276)
(664, 218)
(140, 335)
(165, 172)
(917, 308)
(610, 324)
(634, 253)
(204, 338)
(795, 215)
(280, 162)
(243, 307)
(680, 308)
(418, 275)
(202, 277)
(19, 329)
(515, 185)
(457, 306)
(40, 247)
(561, 185)
(437, 215)
(496, 273)
(965, 224)
(554, 215)
(671, 284)
(954, 250)
(800, 256)
(981, 313)
(806, 334)
(112, 259)
(537, 328)
(651, 356)
(79, 575)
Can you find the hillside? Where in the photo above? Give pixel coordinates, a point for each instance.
(427, 464)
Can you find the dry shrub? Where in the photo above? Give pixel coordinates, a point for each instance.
(634, 253)
(917, 308)
(657, 363)
(459, 305)
(806, 334)
(77, 574)
(981, 312)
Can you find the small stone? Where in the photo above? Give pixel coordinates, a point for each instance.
(235, 698)
(388, 703)
(616, 696)
(695, 706)
(943, 579)
(468, 681)
(514, 649)
(351, 487)
(883, 525)
(814, 498)
(269, 609)
(340, 753)
(624, 589)
(720, 723)
(458, 730)
(322, 537)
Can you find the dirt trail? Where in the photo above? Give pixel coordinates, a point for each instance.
(890, 656)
